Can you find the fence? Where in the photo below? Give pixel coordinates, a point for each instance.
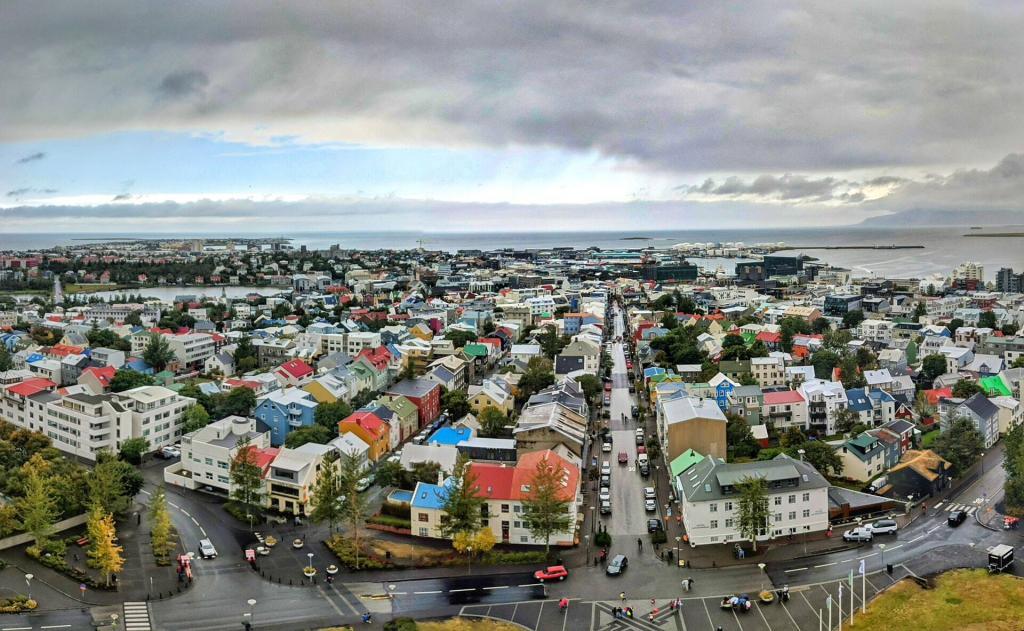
(23, 538)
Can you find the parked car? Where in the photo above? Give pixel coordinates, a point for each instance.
(553, 573)
(654, 525)
(606, 480)
(650, 506)
(169, 452)
(884, 527)
(606, 467)
(858, 534)
(364, 483)
(605, 494)
(606, 448)
(649, 493)
(645, 469)
(606, 507)
(639, 437)
(956, 518)
(623, 457)
(206, 549)
(617, 565)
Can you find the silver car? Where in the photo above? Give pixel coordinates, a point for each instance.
(206, 549)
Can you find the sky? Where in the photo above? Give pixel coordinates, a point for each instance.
(249, 116)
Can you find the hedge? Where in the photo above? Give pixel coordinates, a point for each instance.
(345, 550)
(388, 520)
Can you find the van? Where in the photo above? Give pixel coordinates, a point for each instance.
(642, 460)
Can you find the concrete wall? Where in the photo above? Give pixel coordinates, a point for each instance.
(23, 538)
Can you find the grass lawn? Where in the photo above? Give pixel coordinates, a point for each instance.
(929, 438)
(963, 599)
(467, 624)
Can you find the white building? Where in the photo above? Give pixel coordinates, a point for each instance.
(969, 270)
(207, 453)
(709, 490)
(356, 342)
(824, 399)
(157, 414)
(191, 349)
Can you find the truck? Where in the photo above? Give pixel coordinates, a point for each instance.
(1000, 558)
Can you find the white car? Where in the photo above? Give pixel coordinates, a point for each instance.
(606, 448)
(650, 506)
(605, 495)
(363, 484)
(606, 468)
(883, 527)
(858, 534)
(649, 493)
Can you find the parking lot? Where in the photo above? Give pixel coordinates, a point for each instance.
(801, 613)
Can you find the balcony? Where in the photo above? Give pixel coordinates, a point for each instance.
(295, 422)
(294, 410)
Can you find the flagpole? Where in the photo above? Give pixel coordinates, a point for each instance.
(830, 612)
(839, 601)
(853, 606)
(821, 621)
(863, 590)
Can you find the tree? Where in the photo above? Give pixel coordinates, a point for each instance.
(389, 473)
(125, 379)
(752, 509)
(158, 352)
(539, 375)
(109, 484)
(105, 553)
(987, 320)
(820, 326)
(196, 417)
(591, 387)
(923, 406)
(960, 444)
(37, 509)
(821, 456)
(852, 318)
(920, 311)
(133, 449)
(456, 403)
(685, 304)
(790, 326)
(932, 367)
(545, 506)
(460, 338)
(953, 325)
(426, 471)
(326, 492)
(5, 358)
(739, 437)
(824, 361)
(160, 524)
(246, 364)
(473, 543)
(1018, 363)
(313, 434)
(93, 530)
(965, 389)
(246, 477)
(460, 500)
(330, 414)
(1013, 463)
(238, 401)
(550, 341)
(792, 437)
(492, 422)
(669, 321)
(353, 509)
(837, 340)
(133, 318)
(850, 373)
(845, 419)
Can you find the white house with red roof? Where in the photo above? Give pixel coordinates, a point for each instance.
(97, 379)
(294, 373)
(785, 409)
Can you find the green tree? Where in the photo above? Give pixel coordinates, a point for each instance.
(953, 325)
(920, 311)
(133, 449)
(850, 373)
(37, 508)
(460, 500)
(685, 304)
(790, 326)
(965, 389)
(246, 364)
(492, 422)
(1013, 463)
(238, 401)
(5, 358)
(591, 387)
(460, 338)
(824, 361)
(108, 485)
(960, 444)
(820, 326)
(353, 509)
(426, 471)
(160, 525)
(196, 418)
(987, 320)
(669, 321)
(246, 477)
(456, 403)
(792, 437)
(852, 318)
(326, 494)
(932, 367)
(158, 352)
(133, 319)
(126, 379)
(312, 434)
(837, 340)
(1018, 363)
(546, 506)
(550, 341)
(845, 419)
(330, 414)
(753, 512)
(539, 375)
(821, 456)
(739, 437)
(389, 473)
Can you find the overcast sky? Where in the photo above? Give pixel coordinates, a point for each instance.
(245, 115)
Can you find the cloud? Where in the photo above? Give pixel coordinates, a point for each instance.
(32, 157)
(21, 192)
(120, 197)
(672, 87)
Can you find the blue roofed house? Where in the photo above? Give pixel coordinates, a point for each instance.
(284, 411)
(450, 436)
(427, 508)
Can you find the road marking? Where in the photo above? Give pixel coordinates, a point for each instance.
(433, 592)
(194, 521)
(497, 587)
(758, 607)
(464, 589)
(737, 616)
(934, 529)
(532, 585)
(917, 538)
(330, 601)
(565, 618)
(57, 626)
(796, 569)
(145, 491)
(939, 505)
(708, 612)
(202, 530)
(899, 545)
(791, 619)
(185, 512)
(17, 629)
(539, 612)
(593, 609)
(825, 565)
(867, 556)
(174, 505)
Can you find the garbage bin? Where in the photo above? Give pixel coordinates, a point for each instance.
(888, 568)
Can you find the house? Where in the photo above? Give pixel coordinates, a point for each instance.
(525, 352)
(490, 394)
(904, 430)
(207, 453)
(351, 446)
(784, 409)
(292, 476)
(222, 363)
(450, 436)
(294, 373)
(863, 457)
(284, 411)
(423, 393)
(687, 423)
(768, 371)
(444, 455)
(745, 402)
(588, 351)
(981, 412)
(549, 425)
(919, 474)
(1011, 412)
(405, 415)
(97, 380)
(489, 449)
(723, 387)
(332, 387)
(824, 399)
(710, 491)
(371, 429)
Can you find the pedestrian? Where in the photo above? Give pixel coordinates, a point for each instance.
(76, 557)
(622, 596)
(615, 612)
(686, 584)
(629, 612)
(672, 605)
(650, 616)
(652, 602)
(640, 544)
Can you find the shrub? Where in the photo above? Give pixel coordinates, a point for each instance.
(345, 550)
(239, 512)
(388, 520)
(659, 536)
(402, 512)
(498, 557)
(17, 604)
(602, 540)
(400, 624)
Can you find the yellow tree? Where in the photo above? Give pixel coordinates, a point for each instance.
(106, 553)
(472, 543)
(37, 510)
(94, 530)
(160, 531)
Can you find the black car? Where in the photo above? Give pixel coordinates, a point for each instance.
(957, 517)
(617, 565)
(654, 525)
(645, 470)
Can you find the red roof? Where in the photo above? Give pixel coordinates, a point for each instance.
(768, 337)
(31, 386)
(63, 350)
(933, 396)
(368, 421)
(500, 482)
(379, 357)
(493, 341)
(265, 456)
(243, 383)
(296, 368)
(103, 375)
(782, 398)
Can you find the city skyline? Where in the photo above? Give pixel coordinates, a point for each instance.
(170, 118)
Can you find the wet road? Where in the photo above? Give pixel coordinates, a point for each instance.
(489, 589)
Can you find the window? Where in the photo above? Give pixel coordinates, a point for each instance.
(422, 517)
(424, 532)
(714, 523)
(713, 539)
(517, 509)
(209, 462)
(523, 539)
(778, 516)
(778, 500)
(517, 524)
(713, 508)
(807, 497)
(728, 523)
(792, 499)
(504, 508)
(792, 514)
(728, 506)
(806, 514)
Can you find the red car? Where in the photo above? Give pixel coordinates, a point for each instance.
(623, 458)
(553, 573)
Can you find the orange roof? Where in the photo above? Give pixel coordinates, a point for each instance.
(63, 350)
(495, 481)
(366, 420)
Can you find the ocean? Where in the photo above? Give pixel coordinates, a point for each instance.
(944, 248)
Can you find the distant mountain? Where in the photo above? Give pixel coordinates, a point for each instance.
(922, 218)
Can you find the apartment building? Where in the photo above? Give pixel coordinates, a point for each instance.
(824, 399)
(768, 371)
(784, 410)
(191, 349)
(360, 340)
(157, 414)
(292, 476)
(207, 453)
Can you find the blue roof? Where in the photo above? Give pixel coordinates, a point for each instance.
(450, 436)
(881, 395)
(653, 370)
(429, 496)
(34, 357)
(859, 402)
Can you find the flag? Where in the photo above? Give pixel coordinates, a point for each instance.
(862, 566)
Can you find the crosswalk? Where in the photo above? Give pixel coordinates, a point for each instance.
(970, 509)
(136, 617)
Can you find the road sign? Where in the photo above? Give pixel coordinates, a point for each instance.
(81, 588)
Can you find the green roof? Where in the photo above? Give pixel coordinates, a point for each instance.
(684, 461)
(994, 385)
(475, 350)
(748, 337)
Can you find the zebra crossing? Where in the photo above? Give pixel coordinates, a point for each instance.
(970, 509)
(136, 616)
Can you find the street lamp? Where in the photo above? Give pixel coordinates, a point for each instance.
(761, 566)
(881, 547)
(252, 617)
(586, 538)
(28, 583)
(801, 452)
(469, 564)
(678, 539)
(310, 555)
(592, 520)
(983, 463)
(113, 620)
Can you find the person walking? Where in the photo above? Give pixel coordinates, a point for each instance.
(640, 544)
(622, 596)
